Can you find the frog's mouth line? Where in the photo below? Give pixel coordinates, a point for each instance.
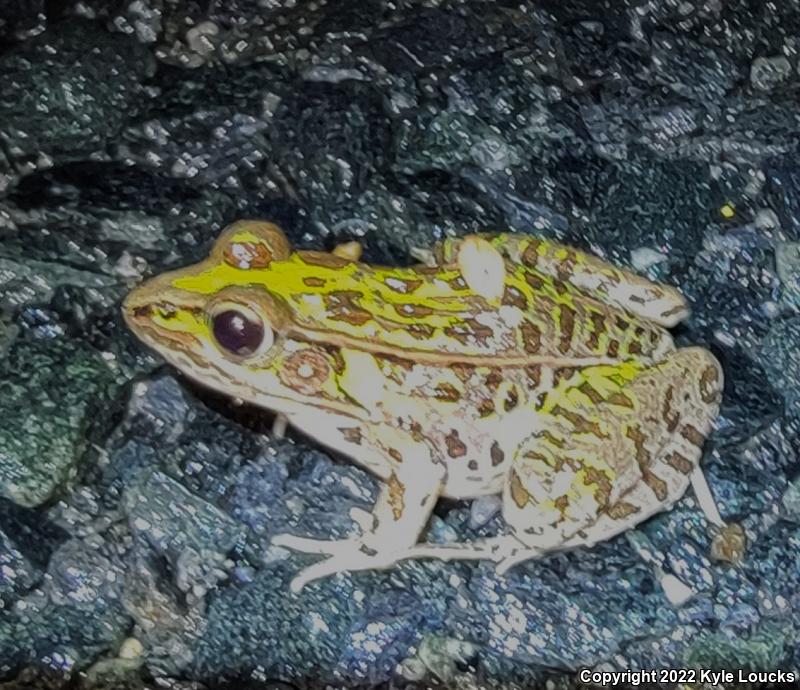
(200, 370)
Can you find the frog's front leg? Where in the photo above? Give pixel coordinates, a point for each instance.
(401, 511)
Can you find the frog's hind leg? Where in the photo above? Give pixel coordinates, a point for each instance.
(620, 445)
(599, 468)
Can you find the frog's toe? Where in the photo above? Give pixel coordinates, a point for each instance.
(345, 557)
(729, 544)
(318, 547)
(514, 553)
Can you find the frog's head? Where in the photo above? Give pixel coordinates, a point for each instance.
(226, 323)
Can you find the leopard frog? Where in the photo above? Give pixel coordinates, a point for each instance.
(503, 364)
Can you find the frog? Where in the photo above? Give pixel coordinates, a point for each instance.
(496, 364)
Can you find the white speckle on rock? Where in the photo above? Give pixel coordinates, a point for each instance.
(130, 648)
(483, 509)
(768, 72)
(675, 590)
(645, 257)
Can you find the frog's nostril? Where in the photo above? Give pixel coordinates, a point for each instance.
(167, 311)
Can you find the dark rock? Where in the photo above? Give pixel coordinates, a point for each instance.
(67, 92)
(52, 392)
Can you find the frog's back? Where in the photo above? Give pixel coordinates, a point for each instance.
(429, 313)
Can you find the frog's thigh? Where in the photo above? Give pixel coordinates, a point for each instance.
(579, 480)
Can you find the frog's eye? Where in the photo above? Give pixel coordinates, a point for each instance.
(239, 331)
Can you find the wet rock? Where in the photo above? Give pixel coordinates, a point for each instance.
(780, 355)
(77, 615)
(692, 70)
(664, 213)
(17, 573)
(52, 391)
(168, 622)
(783, 181)
(67, 92)
(766, 73)
(192, 535)
(764, 647)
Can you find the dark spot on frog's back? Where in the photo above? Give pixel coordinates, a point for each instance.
(590, 392)
(601, 482)
(313, 281)
(668, 414)
(519, 493)
(456, 448)
(562, 374)
(351, 434)
(634, 348)
(457, 283)
(622, 509)
(143, 312)
(323, 259)
(497, 454)
(493, 379)
(447, 392)
(679, 462)
(709, 384)
(514, 298)
(567, 326)
(413, 310)
(344, 306)
(481, 333)
(247, 255)
(402, 285)
(421, 331)
(656, 484)
(534, 281)
(692, 435)
(462, 371)
(531, 337)
(531, 254)
(486, 407)
(512, 399)
(598, 328)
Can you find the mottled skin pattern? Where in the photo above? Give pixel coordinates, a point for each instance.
(558, 387)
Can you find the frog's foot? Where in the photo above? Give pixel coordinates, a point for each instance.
(729, 542)
(344, 555)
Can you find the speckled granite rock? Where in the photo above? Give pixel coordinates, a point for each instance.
(50, 390)
(138, 509)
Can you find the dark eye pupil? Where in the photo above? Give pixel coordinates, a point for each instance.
(236, 333)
